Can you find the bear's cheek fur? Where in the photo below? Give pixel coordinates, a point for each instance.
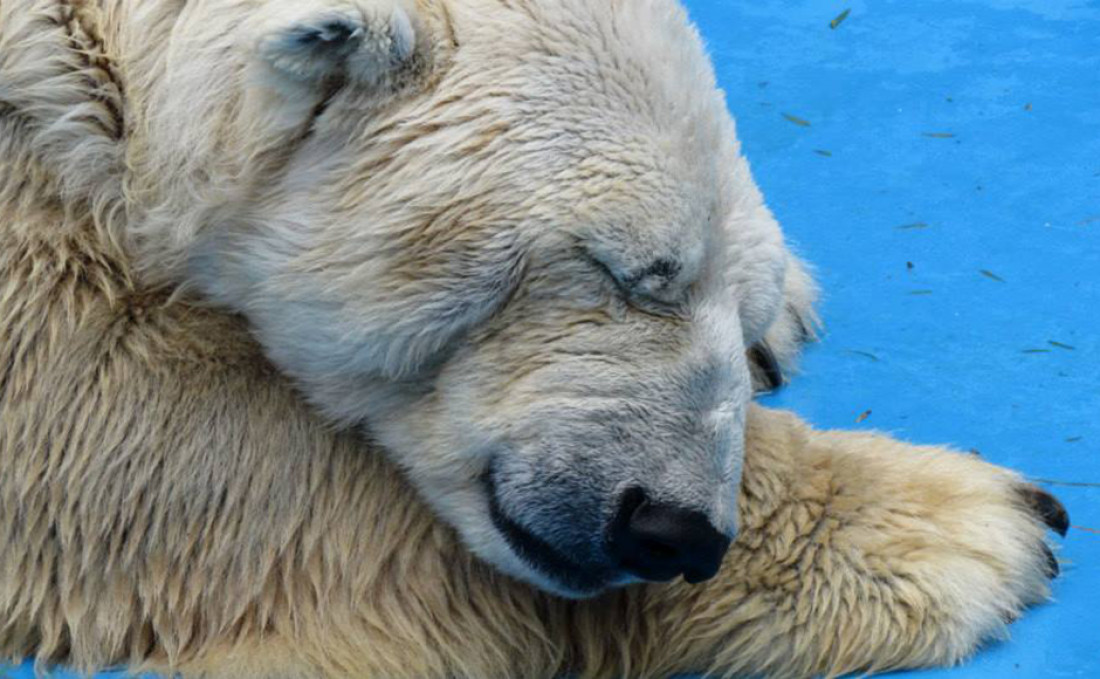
(568, 407)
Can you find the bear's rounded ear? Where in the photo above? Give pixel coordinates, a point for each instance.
(318, 43)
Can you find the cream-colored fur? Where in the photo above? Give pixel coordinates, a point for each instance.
(516, 242)
(168, 500)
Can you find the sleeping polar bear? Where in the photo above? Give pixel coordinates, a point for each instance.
(508, 247)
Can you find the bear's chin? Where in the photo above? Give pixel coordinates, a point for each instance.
(549, 568)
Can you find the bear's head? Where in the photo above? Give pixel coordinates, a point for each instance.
(513, 240)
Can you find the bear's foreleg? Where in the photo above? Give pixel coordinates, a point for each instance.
(856, 552)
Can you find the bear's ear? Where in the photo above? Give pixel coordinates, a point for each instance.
(318, 43)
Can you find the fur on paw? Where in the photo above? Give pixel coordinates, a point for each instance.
(955, 548)
(361, 41)
(1017, 563)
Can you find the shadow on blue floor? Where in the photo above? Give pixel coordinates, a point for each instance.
(939, 163)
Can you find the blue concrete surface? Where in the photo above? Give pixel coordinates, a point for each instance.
(977, 121)
(941, 352)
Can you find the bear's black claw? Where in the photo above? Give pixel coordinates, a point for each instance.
(1048, 508)
(1052, 563)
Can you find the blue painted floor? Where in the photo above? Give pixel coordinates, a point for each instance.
(940, 165)
(961, 137)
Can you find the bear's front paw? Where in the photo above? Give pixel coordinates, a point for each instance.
(957, 550)
(984, 574)
(316, 41)
(867, 553)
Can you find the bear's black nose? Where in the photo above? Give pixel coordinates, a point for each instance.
(657, 541)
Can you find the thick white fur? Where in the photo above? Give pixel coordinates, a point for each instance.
(369, 222)
(513, 239)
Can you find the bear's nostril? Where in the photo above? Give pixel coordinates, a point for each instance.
(657, 550)
(656, 541)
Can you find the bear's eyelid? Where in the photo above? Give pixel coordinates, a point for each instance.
(628, 285)
(661, 268)
(602, 266)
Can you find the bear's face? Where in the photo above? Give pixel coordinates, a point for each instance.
(514, 242)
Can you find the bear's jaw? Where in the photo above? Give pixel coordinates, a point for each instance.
(553, 570)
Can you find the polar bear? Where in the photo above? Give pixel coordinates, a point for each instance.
(255, 252)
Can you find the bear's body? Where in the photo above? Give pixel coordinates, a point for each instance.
(168, 501)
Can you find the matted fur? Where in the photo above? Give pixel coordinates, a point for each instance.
(168, 501)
